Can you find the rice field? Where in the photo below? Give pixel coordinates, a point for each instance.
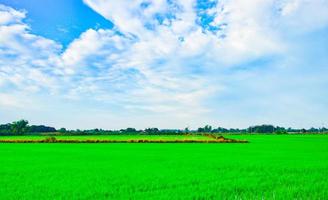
(269, 167)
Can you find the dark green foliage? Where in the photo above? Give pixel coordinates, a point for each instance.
(5, 129)
(171, 132)
(129, 131)
(152, 131)
(19, 127)
(41, 129)
(261, 129)
(62, 130)
(220, 130)
(186, 130)
(206, 129)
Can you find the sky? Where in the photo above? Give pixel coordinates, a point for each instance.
(164, 63)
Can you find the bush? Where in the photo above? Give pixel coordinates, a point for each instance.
(50, 139)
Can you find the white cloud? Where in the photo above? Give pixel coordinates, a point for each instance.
(24, 58)
(9, 15)
(303, 15)
(157, 60)
(247, 24)
(92, 44)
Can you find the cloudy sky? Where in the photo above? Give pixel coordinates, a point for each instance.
(164, 63)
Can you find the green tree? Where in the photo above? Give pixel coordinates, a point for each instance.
(19, 127)
(186, 130)
(62, 130)
(151, 130)
(208, 128)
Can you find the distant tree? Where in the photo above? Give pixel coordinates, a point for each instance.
(206, 129)
(186, 130)
(200, 130)
(314, 130)
(262, 129)
(19, 127)
(129, 130)
(152, 131)
(220, 130)
(5, 129)
(171, 132)
(41, 129)
(62, 130)
(280, 130)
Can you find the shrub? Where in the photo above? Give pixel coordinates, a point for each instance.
(50, 139)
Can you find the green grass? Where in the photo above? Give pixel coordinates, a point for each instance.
(269, 167)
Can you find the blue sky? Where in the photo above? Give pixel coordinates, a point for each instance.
(59, 20)
(166, 64)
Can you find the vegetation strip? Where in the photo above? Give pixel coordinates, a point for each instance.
(22, 127)
(54, 140)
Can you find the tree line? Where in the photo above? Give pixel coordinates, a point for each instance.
(22, 127)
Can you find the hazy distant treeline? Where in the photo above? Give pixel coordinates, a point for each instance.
(22, 127)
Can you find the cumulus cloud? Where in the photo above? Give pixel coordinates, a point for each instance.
(100, 65)
(9, 15)
(162, 56)
(25, 59)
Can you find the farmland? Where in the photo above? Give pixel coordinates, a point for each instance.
(269, 167)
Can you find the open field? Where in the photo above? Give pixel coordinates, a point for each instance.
(269, 167)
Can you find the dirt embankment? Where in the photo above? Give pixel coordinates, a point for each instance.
(216, 139)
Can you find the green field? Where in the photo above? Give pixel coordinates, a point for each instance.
(269, 167)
